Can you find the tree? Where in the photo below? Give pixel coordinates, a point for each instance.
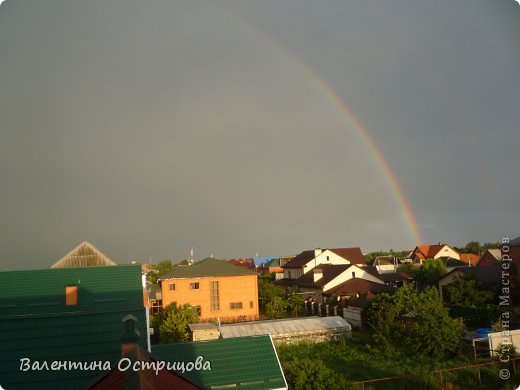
(471, 299)
(473, 247)
(296, 302)
(311, 374)
(430, 329)
(276, 306)
(173, 321)
(160, 269)
(409, 269)
(267, 292)
(430, 272)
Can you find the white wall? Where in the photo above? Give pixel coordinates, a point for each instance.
(353, 315)
(503, 338)
(446, 251)
(328, 257)
(347, 275)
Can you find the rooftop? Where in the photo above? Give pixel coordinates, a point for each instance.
(207, 267)
(241, 362)
(84, 255)
(284, 326)
(36, 323)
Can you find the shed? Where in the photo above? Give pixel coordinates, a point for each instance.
(203, 331)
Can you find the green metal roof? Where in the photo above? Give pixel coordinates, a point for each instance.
(207, 267)
(36, 324)
(241, 362)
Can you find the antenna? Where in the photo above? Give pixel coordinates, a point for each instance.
(191, 258)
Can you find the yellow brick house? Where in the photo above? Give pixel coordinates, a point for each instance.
(215, 289)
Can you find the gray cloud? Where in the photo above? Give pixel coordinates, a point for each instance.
(147, 127)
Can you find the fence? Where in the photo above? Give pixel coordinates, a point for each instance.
(438, 376)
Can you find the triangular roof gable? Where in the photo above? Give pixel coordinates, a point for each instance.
(430, 251)
(84, 255)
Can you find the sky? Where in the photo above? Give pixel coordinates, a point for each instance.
(255, 127)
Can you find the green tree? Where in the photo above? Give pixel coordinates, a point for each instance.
(296, 302)
(409, 269)
(160, 269)
(267, 292)
(276, 306)
(433, 332)
(429, 330)
(306, 373)
(430, 272)
(472, 300)
(173, 321)
(473, 247)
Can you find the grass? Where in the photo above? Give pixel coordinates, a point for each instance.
(356, 359)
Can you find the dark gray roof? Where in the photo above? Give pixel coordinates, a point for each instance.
(515, 241)
(491, 274)
(207, 267)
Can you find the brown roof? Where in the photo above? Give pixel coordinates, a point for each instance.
(491, 274)
(361, 300)
(300, 260)
(131, 379)
(354, 255)
(395, 277)
(372, 270)
(429, 251)
(359, 286)
(469, 258)
(330, 272)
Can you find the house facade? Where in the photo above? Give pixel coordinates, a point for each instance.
(308, 260)
(323, 278)
(489, 257)
(215, 289)
(423, 252)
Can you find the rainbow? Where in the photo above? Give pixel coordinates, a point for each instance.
(391, 178)
(376, 153)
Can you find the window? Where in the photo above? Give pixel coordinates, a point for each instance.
(196, 309)
(172, 286)
(328, 258)
(289, 274)
(251, 305)
(214, 295)
(353, 274)
(194, 286)
(235, 305)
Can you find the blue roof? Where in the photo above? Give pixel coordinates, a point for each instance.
(258, 261)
